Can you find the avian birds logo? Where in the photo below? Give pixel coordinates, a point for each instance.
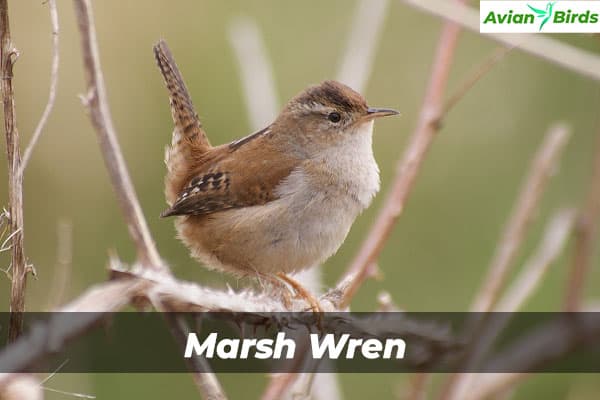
(545, 15)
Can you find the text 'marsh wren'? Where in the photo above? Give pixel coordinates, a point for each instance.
(280, 200)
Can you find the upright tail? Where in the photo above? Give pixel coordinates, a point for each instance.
(183, 112)
(189, 140)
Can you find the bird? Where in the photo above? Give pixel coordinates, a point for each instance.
(277, 201)
(544, 14)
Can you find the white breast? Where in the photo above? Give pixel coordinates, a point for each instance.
(323, 197)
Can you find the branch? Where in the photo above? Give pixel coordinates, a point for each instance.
(554, 240)
(206, 382)
(53, 84)
(550, 248)
(541, 46)
(366, 27)
(143, 285)
(97, 104)
(475, 75)
(409, 166)
(45, 339)
(586, 238)
(544, 344)
(8, 56)
(542, 167)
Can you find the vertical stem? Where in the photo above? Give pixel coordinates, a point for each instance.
(409, 165)
(586, 238)
(8, 57)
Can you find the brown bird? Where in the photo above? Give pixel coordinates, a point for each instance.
(280, 200)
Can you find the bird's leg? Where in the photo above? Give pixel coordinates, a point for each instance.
(302, 292)
(276, 282)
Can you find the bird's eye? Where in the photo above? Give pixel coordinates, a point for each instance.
(334, 117)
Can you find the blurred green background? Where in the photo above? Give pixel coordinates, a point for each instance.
(438, 253)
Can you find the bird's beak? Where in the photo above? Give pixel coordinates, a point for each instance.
(373, 113)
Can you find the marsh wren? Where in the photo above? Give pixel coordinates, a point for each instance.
(277, 201)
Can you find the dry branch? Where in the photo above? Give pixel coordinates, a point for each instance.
(543, 345)
(45, 339)
(409, 166)
(544, 47)
(541, 169)
(53, 84)
(145, 286)
(97, 104)
(549, 249)
(19, 270)
(586, 238)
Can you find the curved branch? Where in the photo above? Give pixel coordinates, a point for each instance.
(53, 84)
(97, 104)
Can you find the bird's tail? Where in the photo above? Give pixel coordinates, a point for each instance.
(189, 141)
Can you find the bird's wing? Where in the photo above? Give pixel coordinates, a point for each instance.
(244, 174)
(540, 13)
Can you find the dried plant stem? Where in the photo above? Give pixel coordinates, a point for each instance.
(542, 345)
(550, 248)
(53, 85)
(19, 268)
(410, 164)
(584, 63)
(475, 75)
(553, 242)
(514, 233)
(64, 264)
(586, 238)
(97, 104)
(206, 381)
(541, 168)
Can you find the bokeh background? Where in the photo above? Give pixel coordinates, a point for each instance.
(441, 247)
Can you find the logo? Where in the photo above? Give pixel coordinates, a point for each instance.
(544, 14)
(539, 16)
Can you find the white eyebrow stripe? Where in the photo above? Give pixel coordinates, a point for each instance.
(315, 107)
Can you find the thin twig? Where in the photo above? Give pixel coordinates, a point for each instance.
(255, 71)
(62, 272)
(361, 43)
(19, 270)
(53, 84)
(206, 381)
(409, 166)
(541, 46)
(542, 167)
(586, 238)
(475, 75)
(42, 340)
(97, 104)
(542, 345)
(549, 249)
